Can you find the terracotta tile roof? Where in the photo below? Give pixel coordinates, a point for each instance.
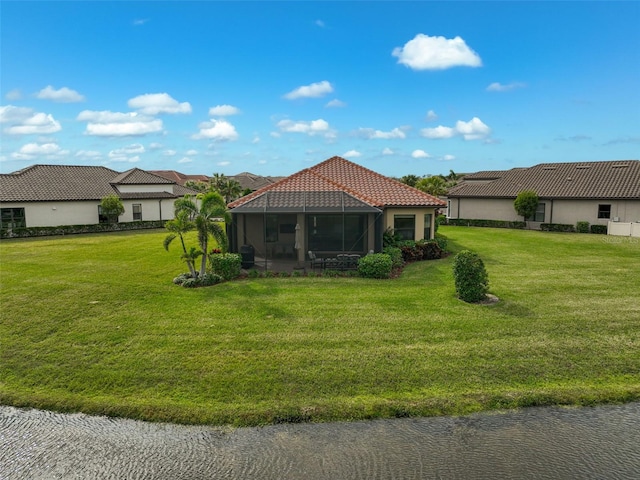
(340, 175)
(597, 180)
(41, 183)
(179, 178)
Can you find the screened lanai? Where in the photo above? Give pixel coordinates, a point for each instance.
(286, 225)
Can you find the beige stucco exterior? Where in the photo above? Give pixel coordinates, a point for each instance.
(55, 214)
(419, 213)
(556, 211)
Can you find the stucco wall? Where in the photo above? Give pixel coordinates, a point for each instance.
(145, 188)
(556, 211)
(419, 214)
(55, 214)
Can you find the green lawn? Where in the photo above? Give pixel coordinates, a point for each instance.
(93, 323)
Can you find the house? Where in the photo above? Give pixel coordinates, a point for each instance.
(594, 192)
(179, 178)
(56, 195)
(247, 180)
(333, 207)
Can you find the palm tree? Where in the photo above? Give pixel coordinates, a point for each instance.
(230, 189)
(217, 181)
(180, 225)
(434, 185)
(206, 212)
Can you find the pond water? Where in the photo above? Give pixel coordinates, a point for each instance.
(536, 443)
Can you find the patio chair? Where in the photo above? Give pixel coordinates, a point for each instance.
(314, 261)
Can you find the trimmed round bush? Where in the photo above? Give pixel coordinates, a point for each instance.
(470, 275)
(375, 265)
(227, 265)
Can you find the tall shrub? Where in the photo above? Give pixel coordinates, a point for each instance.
(526, 203)
(471, 278)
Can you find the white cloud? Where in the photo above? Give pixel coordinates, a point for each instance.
(124, 153)
(13, 114)
(438, 132)
(420, 154)
(314, 90)
(498, 87)
(436, 53)
(432, 116)
(335, 103)
(169, 153)
(185, 160)
(371, 133)
(448, 158)
(88, 154)
(320, 23)
(13, 95)
(223, 111)
(223, 164)
(314, 127)
(155, 103)
(352, 154)
(123, 129)
(255, 140)
(31, 151)
(219, 130)
(140, 21)
(24, 122)
(474, 129)
(191, 152)
(155, 146)
(116, 124)
(387, 151)
(63, 95)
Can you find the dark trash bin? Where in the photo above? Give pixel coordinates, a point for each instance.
(248, 253)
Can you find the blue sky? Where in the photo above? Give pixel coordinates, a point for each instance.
(274, 87)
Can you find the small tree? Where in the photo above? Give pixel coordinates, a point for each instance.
(526, 203)
(179, 226)
(471, 278)
(112, 207)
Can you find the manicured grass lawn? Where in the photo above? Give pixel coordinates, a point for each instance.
(93, 323)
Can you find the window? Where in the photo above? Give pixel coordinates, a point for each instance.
(604, 211)
(12, 218)
(405, 226)
(102, 218)
(539, 215)
(336, 233)
(137, 211)
(427, 226)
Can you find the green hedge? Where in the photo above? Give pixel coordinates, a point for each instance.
(76, 229)
(582, 227)
(557, 227)
(375, 265)
(227, 265)
(464, 222)
(600, 229)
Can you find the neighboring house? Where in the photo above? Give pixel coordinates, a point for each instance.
(56, 195)
(334, 207)
(595, 192)
(179, 178)
(250, 181)
(246, 180)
